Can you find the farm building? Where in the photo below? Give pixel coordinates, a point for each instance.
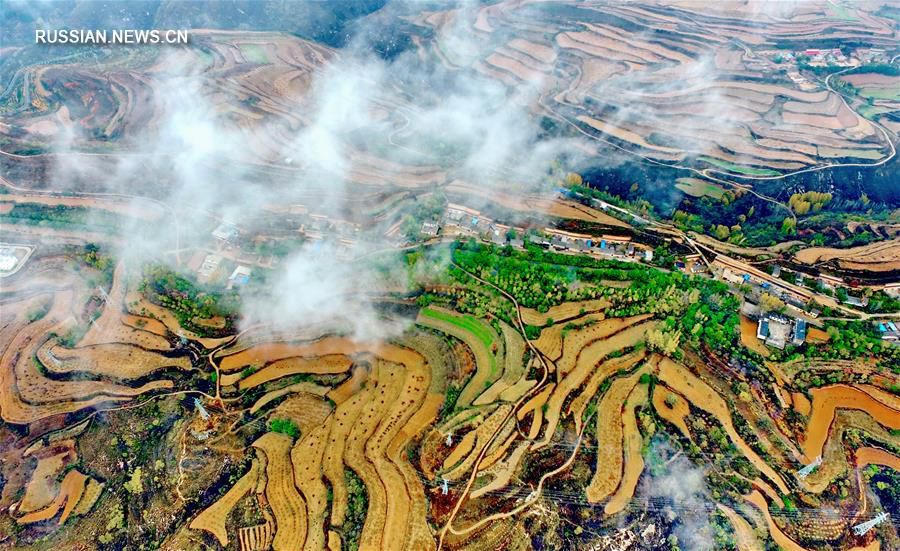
(457, 213)
(778, 331)
(430, 229)
(888, 330)
(774, 330)
(240, 276)
(225, 232)
(208, 268)
(799, 332)
(734, 278)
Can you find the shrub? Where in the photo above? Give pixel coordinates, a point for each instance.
(284, 426)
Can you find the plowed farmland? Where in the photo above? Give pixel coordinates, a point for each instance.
(630, 75)
(423, 440)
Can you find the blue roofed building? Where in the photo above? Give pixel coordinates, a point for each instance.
(239, 277)
(799, 332)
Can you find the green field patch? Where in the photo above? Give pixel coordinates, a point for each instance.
(838, 11)
(695, 187)
(832, 153)
(465, 322)
(254, 53)
(880, 93)
(739, 168)
(872, 111)
(478, 336)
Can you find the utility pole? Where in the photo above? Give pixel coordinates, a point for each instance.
(862, 529)
(807, 470)
(201, 409)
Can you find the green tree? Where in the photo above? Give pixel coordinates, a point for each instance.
(789, 226)
(771, 303)
(671, 400)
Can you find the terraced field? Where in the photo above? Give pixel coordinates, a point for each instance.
(517, 396)
(673, 84)
(425, 439)
(876, 257)
(29, 391)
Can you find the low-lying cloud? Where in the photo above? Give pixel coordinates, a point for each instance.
(681, 487)
(208, 170)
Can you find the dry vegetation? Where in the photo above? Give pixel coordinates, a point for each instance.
(827, 400)
(213, 518)
(610, 430)
(883, 256)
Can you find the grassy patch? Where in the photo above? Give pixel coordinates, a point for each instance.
(830, 152)
(63, 217)
(880, 93)
(872, 111)
(254, 53)
(466, 323)
(739, 169)
(696, 187)
(284, 426)
(840, 12)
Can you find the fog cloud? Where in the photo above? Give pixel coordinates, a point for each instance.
(210, 163)
(681, 487)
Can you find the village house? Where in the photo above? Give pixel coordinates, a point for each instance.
(208, 268)
(888, 330)
(226, 233)
(239, 277)
(778, 331)
(430, 229)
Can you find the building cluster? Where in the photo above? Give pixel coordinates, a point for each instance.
(211, 267)
(758, 286)
(314, 229)
(461, 220)
(814, 57)
(888, 330)
(777, 331)
(871, 55)
(821, 57)
(309, 226)
(691, 264)
(801, 81)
